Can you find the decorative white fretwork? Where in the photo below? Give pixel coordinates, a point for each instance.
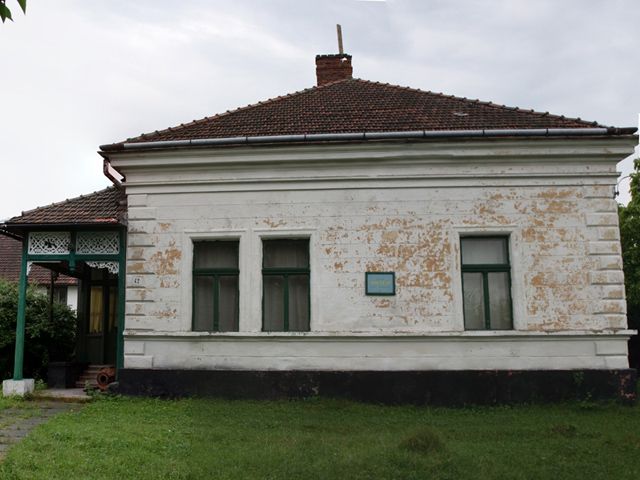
(100, 243)
(29, 264)
(112, 267)
(49, 243)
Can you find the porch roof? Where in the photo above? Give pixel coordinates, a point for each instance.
(102, 208)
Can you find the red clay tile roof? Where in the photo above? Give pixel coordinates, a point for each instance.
(10, 263)
(354, 105)
(107, 206)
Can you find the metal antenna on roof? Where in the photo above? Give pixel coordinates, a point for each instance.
(339, 29)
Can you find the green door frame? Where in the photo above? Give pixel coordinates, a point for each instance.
(72, 258)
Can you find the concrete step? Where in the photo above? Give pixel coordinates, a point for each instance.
(89, 376)
(67, 395)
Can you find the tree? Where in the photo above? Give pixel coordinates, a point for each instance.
(5, 12)
(46, 339)
(630, 240)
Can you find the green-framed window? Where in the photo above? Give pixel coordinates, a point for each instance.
(486, 283)
(285, 280)
(215, 286)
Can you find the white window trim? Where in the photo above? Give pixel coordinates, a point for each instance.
(518, 298)
(188, 238)
(314, 265)
(250, 279)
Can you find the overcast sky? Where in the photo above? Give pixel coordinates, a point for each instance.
(76, 74)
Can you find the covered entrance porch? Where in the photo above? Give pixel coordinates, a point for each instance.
(92, 248)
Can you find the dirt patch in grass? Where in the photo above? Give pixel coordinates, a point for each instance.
(425, 441)
(564, 430)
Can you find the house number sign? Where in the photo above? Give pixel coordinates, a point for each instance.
(380, 283)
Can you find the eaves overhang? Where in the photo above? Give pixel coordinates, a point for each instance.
(19, 230)
(357, 137)
(9, 233)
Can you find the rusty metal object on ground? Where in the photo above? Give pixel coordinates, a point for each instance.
(105, 377)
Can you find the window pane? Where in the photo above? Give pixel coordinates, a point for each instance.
(96, 307)
(473, 301)
(285, 253)
(203, 308)
(484, 251)
(228, 303)
(299, 303)
(273, 301)
(60, 294)
(499, 302)
(216, 254)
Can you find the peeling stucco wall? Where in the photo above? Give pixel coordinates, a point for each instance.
(396, 214)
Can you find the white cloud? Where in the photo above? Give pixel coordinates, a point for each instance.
(79, 74)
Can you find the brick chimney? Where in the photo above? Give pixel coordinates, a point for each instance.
(331, 68)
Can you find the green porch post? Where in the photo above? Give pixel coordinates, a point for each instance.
(20, 324)
(122, 274)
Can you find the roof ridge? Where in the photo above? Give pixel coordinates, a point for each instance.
(481, 102)
(240, 109)
(63, 202)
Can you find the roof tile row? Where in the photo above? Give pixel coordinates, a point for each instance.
(107, 206)
(355, 105)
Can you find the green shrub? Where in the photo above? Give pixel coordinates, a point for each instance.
(44, 339)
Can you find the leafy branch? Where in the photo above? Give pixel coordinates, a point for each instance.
(5, 12)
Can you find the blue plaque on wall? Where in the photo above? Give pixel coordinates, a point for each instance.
(380, 283)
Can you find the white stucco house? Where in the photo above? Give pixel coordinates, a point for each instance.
(376, 241)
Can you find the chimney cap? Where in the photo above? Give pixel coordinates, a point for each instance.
(333, 55)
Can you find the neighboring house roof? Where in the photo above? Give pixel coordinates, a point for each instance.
(354, 105)
(10, 264)
(105, 207)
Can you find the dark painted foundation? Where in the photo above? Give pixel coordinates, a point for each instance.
(406, 387)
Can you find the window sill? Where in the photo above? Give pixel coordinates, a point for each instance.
(478, 335)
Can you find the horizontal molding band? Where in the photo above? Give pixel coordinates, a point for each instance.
(381, 336)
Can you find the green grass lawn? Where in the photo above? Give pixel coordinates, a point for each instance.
(126, 438)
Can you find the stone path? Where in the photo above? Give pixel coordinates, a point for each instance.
(16, 423)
